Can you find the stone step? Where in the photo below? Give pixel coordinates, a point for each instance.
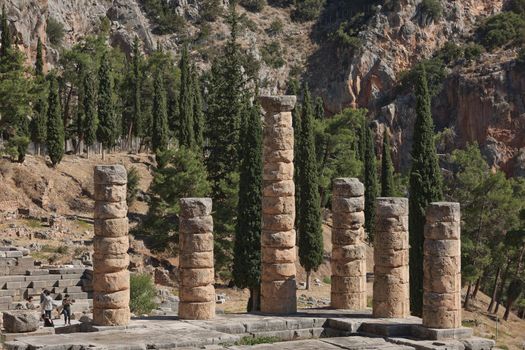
(8, 292)
(69, 282)
(37, 272)
(73, 289)
(75, 296)
(67, 271)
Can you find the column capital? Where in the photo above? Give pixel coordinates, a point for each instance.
(284, 103)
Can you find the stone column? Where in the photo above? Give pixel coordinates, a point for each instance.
(111, 244)
(278, 284)
(391, 282)
(348, 248)
(197, 293)
(442, 266)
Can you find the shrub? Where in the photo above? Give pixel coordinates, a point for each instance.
(450, 53)
(17, 147)
(473, 51)
(435, 69)
(272, 54)
(211, 10)
(431, 10)
(503, 29)
(307, 10)
(133, 184)
(516, 6)
(142, 294)
(346, 36)
(253, 5)
(520, 60)
(163, 14)
(54, 31)
(276, 27)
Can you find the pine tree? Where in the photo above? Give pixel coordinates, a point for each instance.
(55, 124)
(425, 187)
(370, 182)
(6, 34)
(90, 120)
(198, 114)
(187, 136)
(39, 64)
(159, 136)
(136, 126)
(387, 169)
(107, 121)
(247, 247)
(310, 232)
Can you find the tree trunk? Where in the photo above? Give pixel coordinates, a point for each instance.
(502, 287)
(476, 288)
(102, 151)
(467, 296)
(494, 290)
(507, 310)
(255, 297)
(308, 273)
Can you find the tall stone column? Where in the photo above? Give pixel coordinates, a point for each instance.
(197, 275)
(348, 248)
(391, 277)
(111, 244)
(442, 266)
(278, 283)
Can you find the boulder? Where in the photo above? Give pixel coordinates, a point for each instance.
(20, 321)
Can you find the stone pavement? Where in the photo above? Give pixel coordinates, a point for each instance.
(308, 329)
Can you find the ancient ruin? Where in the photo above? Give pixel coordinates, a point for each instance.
(442, 266)
(278, 284)
(348, 287)
(391, 282)
(196, 290)
(111, 244)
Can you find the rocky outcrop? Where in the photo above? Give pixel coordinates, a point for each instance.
(20, 321)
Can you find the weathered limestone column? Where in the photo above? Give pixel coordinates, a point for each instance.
(442, 266)
(391, 277)
(111, 244)
(197, 293)
(278, 284)
(348, 248)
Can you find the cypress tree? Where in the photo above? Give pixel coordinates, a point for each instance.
(198, 115)
(39, 123)
(387, 169)
(425, 187)
(293, 89)
(107, 121)
(6, 34)
(55, 124)
(39, 64)
(136, 126)
(370, 177)
(310, 231)
(90, 121)
(247, 247)
(319, 108)
(159, 136)
(187, 135)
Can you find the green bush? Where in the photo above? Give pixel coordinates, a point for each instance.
(450, 53)
(503, 29)
(276, 27)
(17, 148)
(162, 13)
(516, 6)
(272, 54)
(253, 5)
(211, 10)
(133, 184)
(346, 36)
(55, 31)
(436, 73)
(142, 294)
(473, 51)
(307, 10)
(431, 9)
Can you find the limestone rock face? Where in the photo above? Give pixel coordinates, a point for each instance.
(348, 288)
(197, 293)
(278, 284)
(111, 285)
(391, 281)
(442, 266)
(20, 321)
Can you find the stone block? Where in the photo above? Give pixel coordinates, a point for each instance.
(110, 282)
(278, 305)
(197, 294)
(442, 247)
(196, 260)
(196, 243)
(278, 205)
(201, 224)
(395, 224)
(391, 207)
(278, 156)
(20, 322)
(111, 227)
(348, 205)
(278, 239)
(285, 289)
(277, 104)
(348, 300)
(111, 317)
(350, 269)
(441, 318)
(278, 171)
(110, 193)
(348, 187)
(283, 222)
(38, 272)
(348, 284)
(442, 230)
(110, 174)
(111, 245)
(110, 263)
(399, 274)
(278, 255)
(278, 272)
(116, 300)
(385, 242)
(13, 254)
(352, 221)
(342, 237)
(197, 311)
(195, 207)
(391, 308)
(394, 258)
(443, 212)
(278, 188)
(197, 277)
(107, 210)
(349, 253)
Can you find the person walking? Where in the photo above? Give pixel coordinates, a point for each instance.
(66, 309)
(47, 305)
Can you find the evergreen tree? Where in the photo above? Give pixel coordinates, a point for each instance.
(370, 182)
(107, 121)
(310, 232)
(6, 34)
(159, 136)
(55, 124)
(198, 114)
(293, 89)
(425, 187)
(247, 247)
(187, 135)
(39, 64)
(319, 108)
(136, 124)
(387, 169)
(39, 123)
(90, 121)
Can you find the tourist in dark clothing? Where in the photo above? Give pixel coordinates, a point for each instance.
(66, 309)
